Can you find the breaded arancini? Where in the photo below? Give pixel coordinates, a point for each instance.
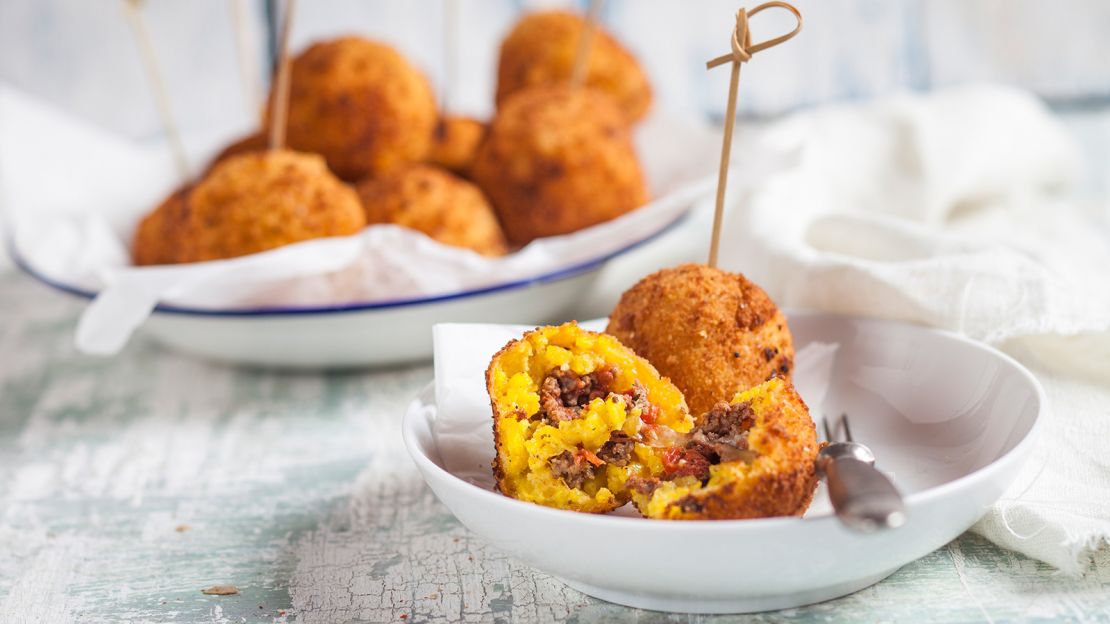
(541, 50)
(430, 200)
(712, 332)
(361, 105)
(556, 160)
(261, 200)
(580, 422)
(760, 450)
(575, 416)
(455, 143)
(160, 237)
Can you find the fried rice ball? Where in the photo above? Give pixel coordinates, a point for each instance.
(159, 237)
(541, 50)
(556, 160)
(430, 200)
(712, 332)
(261, 200)
(361, 105)
(455, 143)
(751, 458)
(582, 423)
(575, 416)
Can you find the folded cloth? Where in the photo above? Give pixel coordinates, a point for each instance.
(953, 210)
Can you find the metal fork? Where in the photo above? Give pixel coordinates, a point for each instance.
(864, 498)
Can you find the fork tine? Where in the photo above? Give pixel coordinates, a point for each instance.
(828, 432)
(847, 431)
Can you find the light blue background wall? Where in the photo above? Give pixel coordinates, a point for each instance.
(79, 54)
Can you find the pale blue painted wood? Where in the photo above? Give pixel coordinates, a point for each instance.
(294, 489)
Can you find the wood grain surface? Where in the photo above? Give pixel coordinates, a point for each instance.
(127, 486)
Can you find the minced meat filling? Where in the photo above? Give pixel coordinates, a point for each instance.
(728, 424)
(642, 486)
(706, 451)
(724, 429)
(617, 450)
(572, 469)
(563, 396)
(721, 436)
(638, 398)
(563, 393)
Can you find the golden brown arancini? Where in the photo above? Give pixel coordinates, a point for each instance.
(556, 160)
(541, 50)
(751, 458)
(161, 235)
(430, 200)
(361, 105)
(712, 332)
(261, 200)
(576, 415)
(455, 143)
(581, 422)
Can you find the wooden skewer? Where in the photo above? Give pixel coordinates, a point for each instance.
(742, 51)
(280, 104)
(247, 56)
(450, 54)
(585, 44)
(133, 11)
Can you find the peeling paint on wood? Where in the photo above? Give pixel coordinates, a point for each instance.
(297, 491)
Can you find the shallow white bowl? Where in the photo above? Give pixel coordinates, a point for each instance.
(952, 419)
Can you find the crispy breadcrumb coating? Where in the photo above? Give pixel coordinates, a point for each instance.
(361, 105)
(541, 50)
(557, 160)
(159, 237)
(430, 200)
(261, 200)
(455, 143)
(712, 332)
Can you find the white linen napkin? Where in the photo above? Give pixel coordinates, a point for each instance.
(952, 210)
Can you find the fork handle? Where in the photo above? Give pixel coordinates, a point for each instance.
(863, 497)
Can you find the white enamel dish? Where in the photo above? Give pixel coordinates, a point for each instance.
(73, 235)
(952, 420)
(384, 333)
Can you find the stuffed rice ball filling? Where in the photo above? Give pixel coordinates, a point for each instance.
(750, 458)
(577, 416)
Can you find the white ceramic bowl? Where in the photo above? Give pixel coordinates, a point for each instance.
(952, 419)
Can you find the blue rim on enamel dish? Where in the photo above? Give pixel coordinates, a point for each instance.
(554, 276)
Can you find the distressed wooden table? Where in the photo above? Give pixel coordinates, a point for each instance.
(129, 485)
